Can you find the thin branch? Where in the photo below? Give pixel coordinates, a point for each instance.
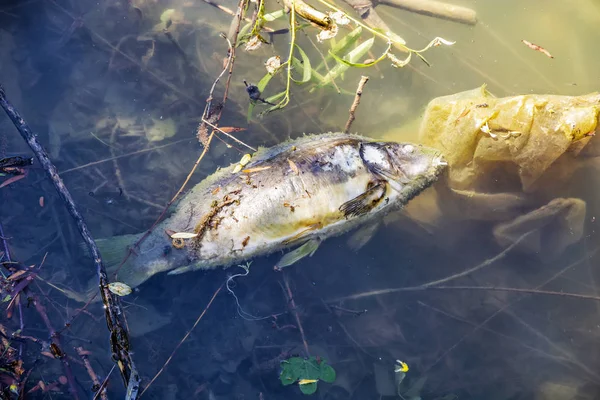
(56, 342)
(183, 339)
(356, 102)
(295, 312)
(119, 337)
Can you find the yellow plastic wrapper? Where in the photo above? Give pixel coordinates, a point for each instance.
(511, 163)
(520, 137)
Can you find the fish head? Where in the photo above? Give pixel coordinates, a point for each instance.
(407, 167)
(155, 254)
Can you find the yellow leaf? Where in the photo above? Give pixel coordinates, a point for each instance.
(307, 381)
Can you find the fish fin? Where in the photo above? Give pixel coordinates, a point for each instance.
(113, 250)
(303, 233)
(181, 270)
(307, 249)
(365, 202)
(363, 236)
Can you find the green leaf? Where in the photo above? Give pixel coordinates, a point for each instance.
(305, 65)
(308, 388)
(352, 57)
(287, 376)
(7, 298)
(361, 65)
(327, 373)
(273, 16)
(343, 45)
(275, 97)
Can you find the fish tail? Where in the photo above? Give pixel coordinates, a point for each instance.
(113, 251)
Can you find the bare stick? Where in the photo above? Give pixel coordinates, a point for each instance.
(183, 339)
(295, 312)
(56, 342)
(88, 366)
(356, 102)
(119, 337)
(228, 135)
(120, 181)
(436, 9)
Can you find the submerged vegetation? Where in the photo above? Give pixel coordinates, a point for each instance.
(342, 36)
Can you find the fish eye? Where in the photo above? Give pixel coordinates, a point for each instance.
(408, 148)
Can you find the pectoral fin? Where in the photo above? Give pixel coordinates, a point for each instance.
(365, 202)
(363, 236)
(181, 270)
(307, 249)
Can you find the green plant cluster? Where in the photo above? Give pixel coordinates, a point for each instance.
(307, 372)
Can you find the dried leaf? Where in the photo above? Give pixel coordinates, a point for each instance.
(119, 288)
(12, 180)
(273, 64)
(250, 170)
(230, 129)
(537, 48)
(293, 166)
(16, 275)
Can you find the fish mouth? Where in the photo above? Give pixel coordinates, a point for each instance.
(440, 161)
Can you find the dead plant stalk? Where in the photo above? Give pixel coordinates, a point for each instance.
(356, 102)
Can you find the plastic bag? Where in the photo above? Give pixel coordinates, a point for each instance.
(506, 144)
(511, 162)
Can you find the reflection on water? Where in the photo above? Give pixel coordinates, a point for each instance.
(116, 102)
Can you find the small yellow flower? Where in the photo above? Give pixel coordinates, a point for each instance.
(401, 366)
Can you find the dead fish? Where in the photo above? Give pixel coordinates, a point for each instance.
(336, 182)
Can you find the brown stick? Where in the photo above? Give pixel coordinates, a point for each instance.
(113, 140)
(436, 9)
(88, 366)
(183, 339)
(295, 312)
(56, 341)
(356, 102)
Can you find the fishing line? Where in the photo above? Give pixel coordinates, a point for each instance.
(245, 315)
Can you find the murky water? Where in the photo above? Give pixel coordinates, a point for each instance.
(117, 102)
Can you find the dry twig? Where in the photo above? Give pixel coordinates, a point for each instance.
(356, 102)
(295, 312)
(88, 366)
(183, 339)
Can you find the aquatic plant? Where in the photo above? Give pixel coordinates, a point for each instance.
(347, 52)
(307, 372)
